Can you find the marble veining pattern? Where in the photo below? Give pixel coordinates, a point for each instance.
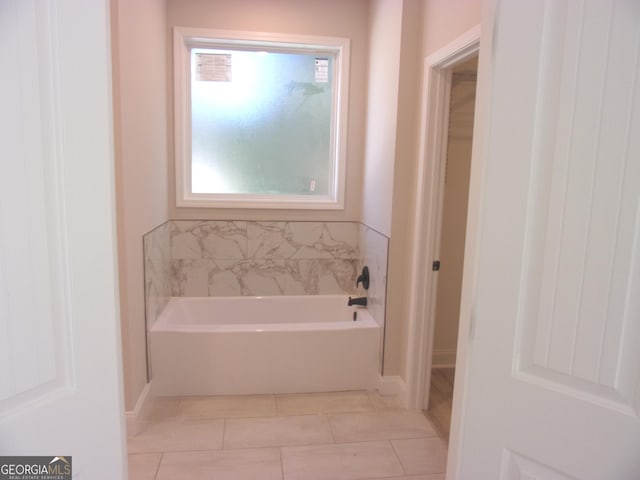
(157, 275)
(239, 258)
(374, 249)
(262, 258)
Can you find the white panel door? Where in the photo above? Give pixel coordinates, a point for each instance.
(60, 372)
(553, 387)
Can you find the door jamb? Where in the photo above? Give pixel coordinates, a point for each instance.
(429, 206)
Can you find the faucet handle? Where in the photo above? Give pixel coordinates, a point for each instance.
(364, 278)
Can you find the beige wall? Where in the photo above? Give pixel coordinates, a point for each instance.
(403, 186)
(143, 103)
(339, 18)
(385, 31)
(401, 33)
(446, 20)
(139, 78)
(442, 21)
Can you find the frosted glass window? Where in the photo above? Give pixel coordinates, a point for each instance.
(264, 127)
(261, 122)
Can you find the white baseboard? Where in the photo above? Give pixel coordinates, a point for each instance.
(135, 417)
(444, 358)
(393, 386)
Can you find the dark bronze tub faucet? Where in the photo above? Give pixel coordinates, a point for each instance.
(362, 301)
(364, 278)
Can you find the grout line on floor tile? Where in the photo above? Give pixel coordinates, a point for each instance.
(333, 435)
(377, 408)
(395, 452)
(349, 442)
(327, 419)
(281, 463)
(155, 476)
(224, 434)
(371, 402)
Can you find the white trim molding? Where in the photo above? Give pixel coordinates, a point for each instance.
(185, 40)
(428, 213)
(393, 386)
(444, 358)
(437, 70)
(135, 417)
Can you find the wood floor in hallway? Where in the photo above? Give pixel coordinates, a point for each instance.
(441, 400)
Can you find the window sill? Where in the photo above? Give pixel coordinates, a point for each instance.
(278, 202)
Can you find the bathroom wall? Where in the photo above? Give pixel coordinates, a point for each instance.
(446, 20)
(143, 126)
(143, 104)
(385, 24)
(404, 175)
(140, 138)
(338, 18)
(185, 258)
(440, 22)
(395, 40)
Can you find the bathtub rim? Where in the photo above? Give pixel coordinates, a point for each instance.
(163, 324)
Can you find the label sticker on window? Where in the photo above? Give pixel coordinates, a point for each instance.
(322, 70)
(213, 67)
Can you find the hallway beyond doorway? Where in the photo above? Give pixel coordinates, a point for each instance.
(440, 400)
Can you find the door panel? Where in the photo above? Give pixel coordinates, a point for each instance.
(555, 367)
(517, 467)
(581, 219)
(60, 371)
(34, 307)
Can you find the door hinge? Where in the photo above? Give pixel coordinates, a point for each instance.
(436, 265)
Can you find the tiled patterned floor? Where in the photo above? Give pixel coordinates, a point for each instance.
(332, 436)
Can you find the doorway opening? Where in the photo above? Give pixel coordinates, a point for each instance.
(456, 166)
(438, 76)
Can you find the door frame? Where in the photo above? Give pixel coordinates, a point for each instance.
(429, 207)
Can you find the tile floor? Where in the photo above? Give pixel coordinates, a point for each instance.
(332, 436)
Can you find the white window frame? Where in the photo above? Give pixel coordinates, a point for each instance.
(185, 39)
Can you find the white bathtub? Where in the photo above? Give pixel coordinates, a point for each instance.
(252, 345)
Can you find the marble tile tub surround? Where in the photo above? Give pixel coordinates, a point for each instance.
(247, 258)
(157, 274)
(263, 258)
(373, 253)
